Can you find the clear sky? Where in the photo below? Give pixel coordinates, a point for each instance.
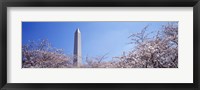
(98, 38)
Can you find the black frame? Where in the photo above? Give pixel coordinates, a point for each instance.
(98, 3)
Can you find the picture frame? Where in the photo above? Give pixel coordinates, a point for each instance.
(101, 3)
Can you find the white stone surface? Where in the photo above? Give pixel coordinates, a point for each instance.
(77, 48)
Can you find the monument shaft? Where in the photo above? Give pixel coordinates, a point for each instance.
(77, 49)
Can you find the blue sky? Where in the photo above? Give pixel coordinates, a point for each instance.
(98, 38)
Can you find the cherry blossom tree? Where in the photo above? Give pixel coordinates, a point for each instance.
(160, 51)
(41, 54)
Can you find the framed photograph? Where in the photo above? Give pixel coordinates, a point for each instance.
(102, 44)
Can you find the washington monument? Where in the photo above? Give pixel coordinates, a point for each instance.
(77, 48)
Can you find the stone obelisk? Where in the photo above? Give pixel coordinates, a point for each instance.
(77, 48)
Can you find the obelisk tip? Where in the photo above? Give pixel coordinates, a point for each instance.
(77, 30)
